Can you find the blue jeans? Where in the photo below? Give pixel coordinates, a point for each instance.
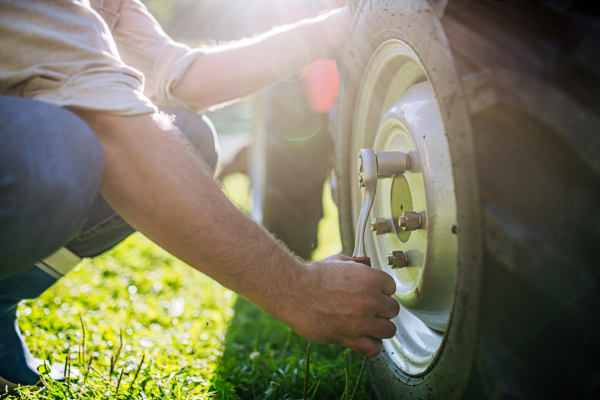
(51, 166)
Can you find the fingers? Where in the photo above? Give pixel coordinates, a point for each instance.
(389, 308)
(371, 344)
(388, 284)
(366, 346)
(380, 328)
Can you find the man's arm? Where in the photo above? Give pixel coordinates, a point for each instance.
(228, 72)
(155, 181)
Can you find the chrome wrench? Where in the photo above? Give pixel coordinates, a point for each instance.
(371, 165)
(367, 179)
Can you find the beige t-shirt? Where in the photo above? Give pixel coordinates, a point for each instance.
(63, 52)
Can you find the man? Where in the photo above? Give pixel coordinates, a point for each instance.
(83, 149)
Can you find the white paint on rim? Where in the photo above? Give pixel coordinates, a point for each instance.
(411, 121)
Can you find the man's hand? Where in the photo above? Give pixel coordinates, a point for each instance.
(341, 302)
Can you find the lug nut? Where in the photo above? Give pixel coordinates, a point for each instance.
(361, 165)
(398, 259)
(381, 226)
(361, 181)
(410, 221)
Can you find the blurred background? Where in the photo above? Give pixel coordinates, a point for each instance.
(278, 138)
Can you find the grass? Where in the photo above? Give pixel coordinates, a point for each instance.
(157, 329)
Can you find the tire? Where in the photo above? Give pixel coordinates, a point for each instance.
(291, 158)
(524, 147)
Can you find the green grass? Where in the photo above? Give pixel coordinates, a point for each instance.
(184, 336)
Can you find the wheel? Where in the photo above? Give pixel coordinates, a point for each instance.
(401, 93)
(489, 272)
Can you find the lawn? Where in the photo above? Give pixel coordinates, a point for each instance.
(157, 329)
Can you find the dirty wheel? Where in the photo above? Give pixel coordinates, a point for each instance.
(400, 93)
(496, 298)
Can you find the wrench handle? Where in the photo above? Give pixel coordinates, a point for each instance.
(363, 260)
(368, 177)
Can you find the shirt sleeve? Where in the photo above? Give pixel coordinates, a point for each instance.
(62, 52)
(144, 46)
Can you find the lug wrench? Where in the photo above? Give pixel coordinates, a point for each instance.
(367, 179)
(370, 166)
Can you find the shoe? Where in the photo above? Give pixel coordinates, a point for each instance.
(17, 365)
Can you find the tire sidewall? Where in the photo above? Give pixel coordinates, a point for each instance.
(416, 23)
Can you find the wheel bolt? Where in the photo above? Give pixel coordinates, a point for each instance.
(410, 221)
(381, 226)
(361, 181)
(398, 259)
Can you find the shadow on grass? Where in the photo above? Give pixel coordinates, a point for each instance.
(265, 359)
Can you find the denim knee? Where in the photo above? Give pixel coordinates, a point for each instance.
(51, 167)
(201, 132)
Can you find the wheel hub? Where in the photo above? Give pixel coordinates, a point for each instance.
(419, 206)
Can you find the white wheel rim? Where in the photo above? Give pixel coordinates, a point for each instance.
(398, 111)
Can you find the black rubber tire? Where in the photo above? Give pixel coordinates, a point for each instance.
(299, 158)
(528, 331)
(540, 305)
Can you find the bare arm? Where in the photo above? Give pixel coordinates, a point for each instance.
(160, 186)
(228, 72)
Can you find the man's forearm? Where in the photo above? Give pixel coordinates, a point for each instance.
(163, 189)
(228, 72)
